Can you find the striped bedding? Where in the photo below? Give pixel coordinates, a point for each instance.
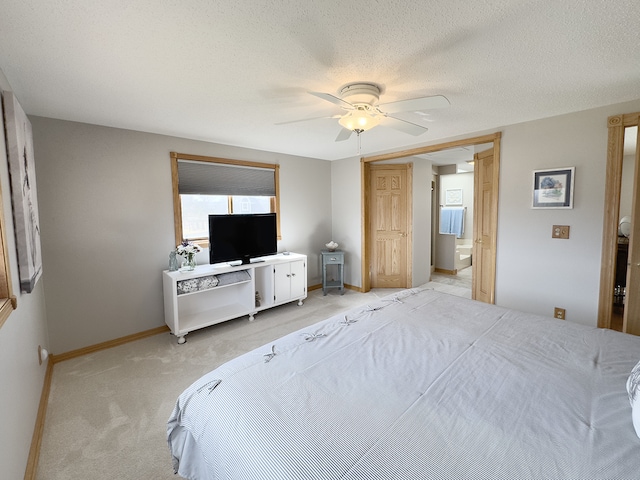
(419, 385)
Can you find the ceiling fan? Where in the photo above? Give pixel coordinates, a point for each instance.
(360, 100)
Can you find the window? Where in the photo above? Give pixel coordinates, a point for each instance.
(205, 185)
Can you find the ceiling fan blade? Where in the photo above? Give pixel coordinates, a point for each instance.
(415, 104)
(404, 126)
(343, 135)
(333, 99)
(307, 119)
(413, 117)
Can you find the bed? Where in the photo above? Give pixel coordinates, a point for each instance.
(418, 385)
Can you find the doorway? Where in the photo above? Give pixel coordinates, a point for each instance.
(452, 220)
(488, 253)
(617, 241)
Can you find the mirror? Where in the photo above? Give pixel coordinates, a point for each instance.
(624, 227)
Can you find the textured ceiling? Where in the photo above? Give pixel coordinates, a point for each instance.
(229, 71)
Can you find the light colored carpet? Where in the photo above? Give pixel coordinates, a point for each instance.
(107, 411)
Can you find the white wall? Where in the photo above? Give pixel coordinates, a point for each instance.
(106, 217)
(21, 377)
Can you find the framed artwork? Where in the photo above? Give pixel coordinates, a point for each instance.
(453, 196)
(553, 188)
(24, 198)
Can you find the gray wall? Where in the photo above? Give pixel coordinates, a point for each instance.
(422, 176)
(21, 376)
(107, 223)
(345, 220)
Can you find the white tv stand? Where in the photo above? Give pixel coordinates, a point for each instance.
(201, 298)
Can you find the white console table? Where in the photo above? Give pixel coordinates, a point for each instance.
(201, 298)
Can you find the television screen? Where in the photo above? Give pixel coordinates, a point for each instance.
(241, 237)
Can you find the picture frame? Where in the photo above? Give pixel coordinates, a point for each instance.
(24, 198)
(553, 188)
(453, 196)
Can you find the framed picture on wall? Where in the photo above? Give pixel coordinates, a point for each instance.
(553, 188)
(453, 196)
(24, 198)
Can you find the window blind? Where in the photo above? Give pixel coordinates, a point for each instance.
(204, 178)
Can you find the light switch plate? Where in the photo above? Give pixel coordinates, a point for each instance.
(560, 231)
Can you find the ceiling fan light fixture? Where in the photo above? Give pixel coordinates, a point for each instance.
(359, 120)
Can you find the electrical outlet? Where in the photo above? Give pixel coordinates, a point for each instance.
(560, 231)
(559, 313)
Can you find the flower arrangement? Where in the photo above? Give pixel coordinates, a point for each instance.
(187, 249)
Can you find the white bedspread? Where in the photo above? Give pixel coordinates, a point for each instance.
(420, 385)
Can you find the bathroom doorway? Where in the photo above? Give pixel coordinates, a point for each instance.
(463, 220)
(484, 247)
(452, 222)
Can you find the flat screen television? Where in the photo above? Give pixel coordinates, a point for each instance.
(241, 237)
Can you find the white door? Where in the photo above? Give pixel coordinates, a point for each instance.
(282, 282)
(298, 275)
(289, 280)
